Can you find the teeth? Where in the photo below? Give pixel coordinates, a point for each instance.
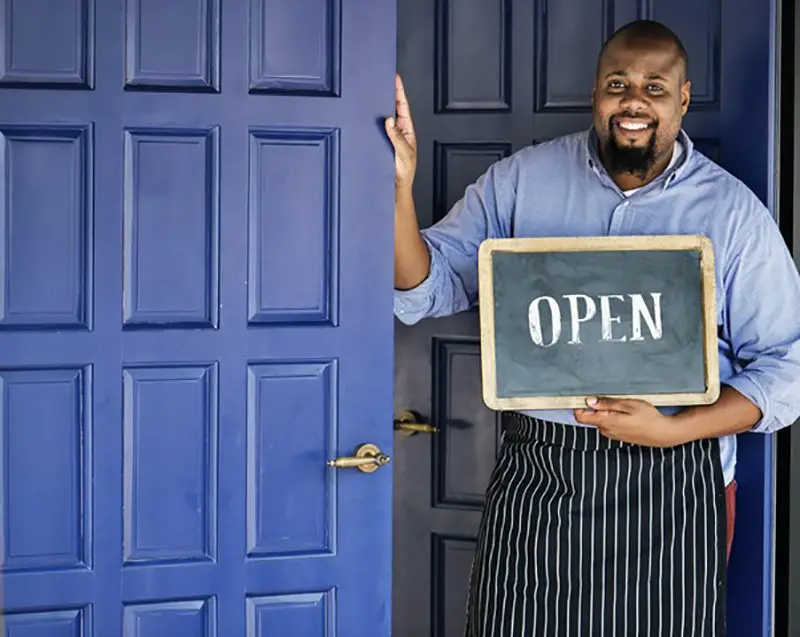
(632, 126)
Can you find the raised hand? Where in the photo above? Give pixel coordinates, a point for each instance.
(401, 133)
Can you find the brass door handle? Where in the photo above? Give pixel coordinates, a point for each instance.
(368, 458)
(406, 422)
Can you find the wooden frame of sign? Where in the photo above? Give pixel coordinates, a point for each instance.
(528, 397)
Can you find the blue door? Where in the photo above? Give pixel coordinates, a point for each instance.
(195, 317)
(481, 86)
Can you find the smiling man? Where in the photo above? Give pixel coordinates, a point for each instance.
(615, 519)
(638, 133)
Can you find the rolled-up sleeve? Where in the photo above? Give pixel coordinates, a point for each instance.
(762, 290)
(451, 286)
(413, 305)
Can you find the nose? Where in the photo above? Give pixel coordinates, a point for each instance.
(634, 99)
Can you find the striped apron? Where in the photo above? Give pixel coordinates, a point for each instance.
(583, 536)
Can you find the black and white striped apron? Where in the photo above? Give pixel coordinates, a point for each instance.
(583, 536)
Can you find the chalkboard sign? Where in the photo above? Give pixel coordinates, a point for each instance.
(567, 318)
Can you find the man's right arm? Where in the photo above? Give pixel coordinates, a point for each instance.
(411, 253)
(436, 270)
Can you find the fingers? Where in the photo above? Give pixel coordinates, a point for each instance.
(404, 122)
(607, 422)
(590, 417)
(400, 131)
(401, 101)
(603, 410)
(611, 404)
(391, 127)
(395, 135)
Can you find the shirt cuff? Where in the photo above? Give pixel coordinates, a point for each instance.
(752, 390)
(413, 305)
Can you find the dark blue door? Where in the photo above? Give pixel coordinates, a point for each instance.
(195, 316)
(484, 79)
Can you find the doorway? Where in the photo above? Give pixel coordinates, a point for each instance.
(485, 78)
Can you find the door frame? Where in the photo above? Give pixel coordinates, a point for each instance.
(786, 489)
(779, 520)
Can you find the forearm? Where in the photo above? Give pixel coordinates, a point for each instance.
(732, 413)
(411, 256)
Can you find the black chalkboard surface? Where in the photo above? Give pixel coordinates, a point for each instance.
(567, 318)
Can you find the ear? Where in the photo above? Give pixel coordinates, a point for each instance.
(686, 96)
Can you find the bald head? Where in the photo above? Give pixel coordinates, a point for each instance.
(646, 35)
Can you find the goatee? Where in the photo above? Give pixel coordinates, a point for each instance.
(635, 160)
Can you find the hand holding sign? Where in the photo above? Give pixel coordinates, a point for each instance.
(633, 421)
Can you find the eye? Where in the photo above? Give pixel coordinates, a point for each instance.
(616, 85)
(655, 88)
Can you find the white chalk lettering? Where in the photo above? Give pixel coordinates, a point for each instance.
(535, 320)
(653, 322)
(575, 318)
(583, 308)
(605, 313)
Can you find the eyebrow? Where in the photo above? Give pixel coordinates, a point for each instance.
(625, 74)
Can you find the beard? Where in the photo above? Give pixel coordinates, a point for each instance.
(635, 160)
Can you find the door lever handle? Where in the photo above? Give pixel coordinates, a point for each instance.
(406, 423)
(368, 458)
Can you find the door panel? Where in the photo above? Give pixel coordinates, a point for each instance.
(195, 316)
(438, 505)
(481, 87)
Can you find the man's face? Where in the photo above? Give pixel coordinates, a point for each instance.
(639, 100)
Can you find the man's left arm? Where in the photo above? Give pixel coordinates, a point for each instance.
(762, 301)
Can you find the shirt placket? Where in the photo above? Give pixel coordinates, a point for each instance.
(621, 218)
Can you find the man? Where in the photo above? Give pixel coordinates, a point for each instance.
(611, 520)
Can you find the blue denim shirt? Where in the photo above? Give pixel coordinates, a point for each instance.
(560, 188)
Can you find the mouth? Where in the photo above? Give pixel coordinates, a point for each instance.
(632, 126)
